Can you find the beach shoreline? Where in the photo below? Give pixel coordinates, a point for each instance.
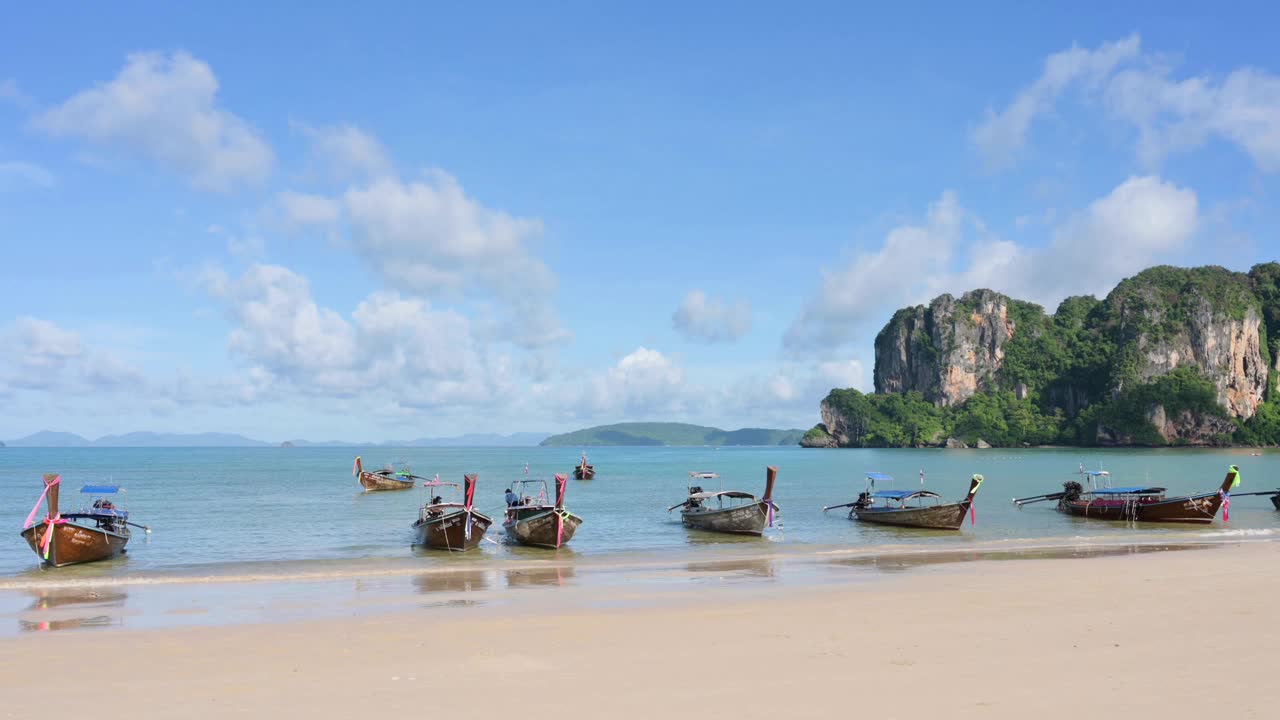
(1142, 631)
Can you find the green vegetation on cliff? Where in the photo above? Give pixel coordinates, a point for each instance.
(652, 433)
(1096, 371)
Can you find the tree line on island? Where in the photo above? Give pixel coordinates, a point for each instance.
(1172, 356)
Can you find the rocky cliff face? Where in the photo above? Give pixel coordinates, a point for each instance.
(1171, 318)
(1172, 355)
(842, 431)
(947, 351)
(1185, 428)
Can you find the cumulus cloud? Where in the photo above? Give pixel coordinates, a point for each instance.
(163, 108)
(1178, 115)
(23, 176)
(645, 383)
(10, 92)
(1143, 221)
(1169, 114)
(429, 238)
(390, 345)
(305, 209)
(42, 355)
(345, 153)
(704, 319)
(860, 289)
(1004, 133)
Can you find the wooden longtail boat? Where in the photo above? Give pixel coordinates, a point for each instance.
(1139, 503)
(384, 479)
(534, 522)
(584, 471)
(451, 525)
(94, 533)
(909, 508)
(728, 511)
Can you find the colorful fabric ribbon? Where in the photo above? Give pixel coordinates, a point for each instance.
(32, 517)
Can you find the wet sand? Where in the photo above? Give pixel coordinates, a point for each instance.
(1061, 633)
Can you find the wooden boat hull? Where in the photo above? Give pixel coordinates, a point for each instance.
(740, 520)
(537, 528)
(449, 531)
(74, 544)
(938, 517)
(373, 482)
(1186, 509)
(586, 474)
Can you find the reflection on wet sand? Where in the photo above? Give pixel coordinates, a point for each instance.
(48, 599)
(904, 562)
(703, 537)
(50, 608)
(97, 621)
(539, 577)
(755, 567)
(452, 581)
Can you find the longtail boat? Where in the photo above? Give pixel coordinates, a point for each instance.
(909, 508)
(1138, 503)
(532, 521)
(384, 479)
(451, 525)
(728, 511)
(96, 532)
(584, 471)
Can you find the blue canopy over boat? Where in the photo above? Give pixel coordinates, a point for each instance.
(879, 476)
(902, 494)
(100, 489)
(1134, 490)
(1096, 473)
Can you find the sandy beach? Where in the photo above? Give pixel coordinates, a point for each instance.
(1180, 634)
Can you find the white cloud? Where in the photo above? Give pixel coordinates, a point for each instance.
(163, 108)
(345, 153)
(861, 289)
(280, 327)
(1003, 134)
(430, 238)
(22, 176)
(10, 92)
(394, 348)
(704, 319)
(44, 356)
(43, 345)
(304, 209)
(1169, 114)
(1172, 116)
(643, 384)
(1141, 222)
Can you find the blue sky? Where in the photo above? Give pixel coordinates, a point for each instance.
(401, 221)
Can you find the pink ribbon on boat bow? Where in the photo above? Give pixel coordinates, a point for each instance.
(31, 519)
(47, 539)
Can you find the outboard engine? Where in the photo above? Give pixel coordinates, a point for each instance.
(1072, 490)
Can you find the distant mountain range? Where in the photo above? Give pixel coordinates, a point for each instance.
(49, 438)
(673, 434)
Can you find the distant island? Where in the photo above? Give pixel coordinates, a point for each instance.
(671, 434)
(48, 438)
(1172, 356)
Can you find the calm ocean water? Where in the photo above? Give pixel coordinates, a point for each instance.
(226, 510)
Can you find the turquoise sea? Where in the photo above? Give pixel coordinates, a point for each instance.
(263, 511)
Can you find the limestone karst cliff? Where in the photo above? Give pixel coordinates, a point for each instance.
(1170, 356)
